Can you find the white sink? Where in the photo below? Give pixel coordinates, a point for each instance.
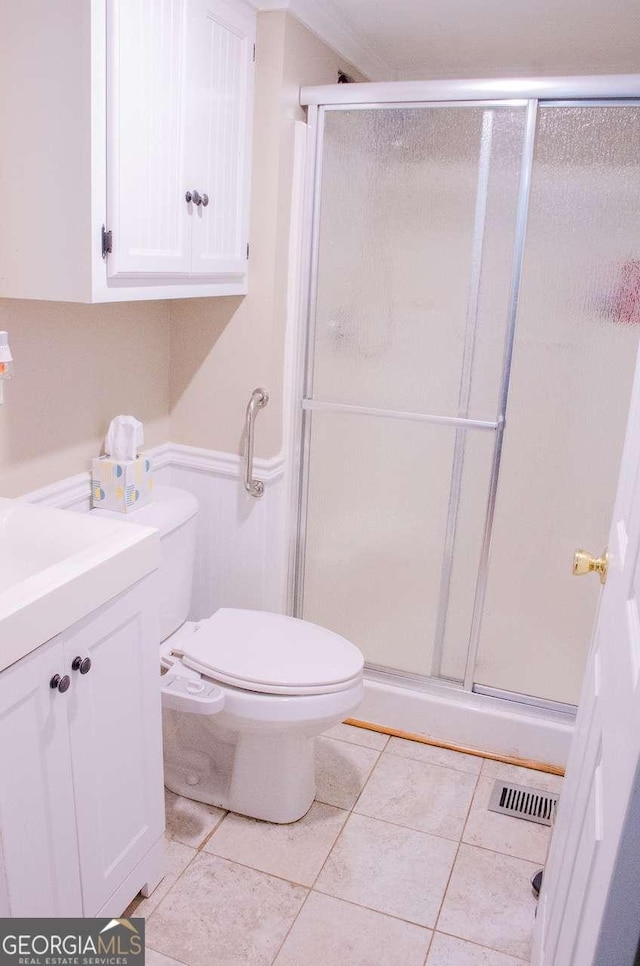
(57, 566)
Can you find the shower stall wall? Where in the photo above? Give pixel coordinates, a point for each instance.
(471, 339)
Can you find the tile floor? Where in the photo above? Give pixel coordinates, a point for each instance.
(398, 863)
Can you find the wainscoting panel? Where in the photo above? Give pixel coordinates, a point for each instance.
(234, 562)
(239, 552)
(242, 562)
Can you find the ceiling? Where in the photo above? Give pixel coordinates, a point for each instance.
(420, 39)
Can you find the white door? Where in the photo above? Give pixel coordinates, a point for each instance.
(219, 97)
(116, 741)
(146, 177)
(38, 851)
(600, 790)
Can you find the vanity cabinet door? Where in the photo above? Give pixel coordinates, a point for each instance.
(219, 84)
(147, 170)
(116, 739)
(39, 873)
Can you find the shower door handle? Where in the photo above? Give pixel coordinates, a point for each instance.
(258, 400)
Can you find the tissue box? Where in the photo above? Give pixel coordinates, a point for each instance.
(121, 485)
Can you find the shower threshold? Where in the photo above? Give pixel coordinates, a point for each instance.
(486, 723)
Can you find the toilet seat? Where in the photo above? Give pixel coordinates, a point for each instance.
(271, 654)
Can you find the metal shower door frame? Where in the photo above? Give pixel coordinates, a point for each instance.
(559, 92)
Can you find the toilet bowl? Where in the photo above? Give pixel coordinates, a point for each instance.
(244, 693)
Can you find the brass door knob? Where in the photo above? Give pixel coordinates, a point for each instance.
(586, 563)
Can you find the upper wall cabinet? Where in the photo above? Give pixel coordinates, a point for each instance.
(178, 83)
(127, 174)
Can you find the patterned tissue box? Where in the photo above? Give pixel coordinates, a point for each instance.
(121, 485)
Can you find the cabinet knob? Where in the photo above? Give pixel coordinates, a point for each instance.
(188, 197)
(82, 664)
(61, 683)
(197, 198)
(205, 200)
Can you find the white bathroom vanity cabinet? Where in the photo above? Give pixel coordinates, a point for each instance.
(81, 782)
(127, 171)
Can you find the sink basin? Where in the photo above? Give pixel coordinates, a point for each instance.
(57, 566)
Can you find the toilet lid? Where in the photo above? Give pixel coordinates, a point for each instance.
(271, 653)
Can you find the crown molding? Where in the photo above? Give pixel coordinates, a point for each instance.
(326, 20)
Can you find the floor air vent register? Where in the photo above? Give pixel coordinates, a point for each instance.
(522, 801)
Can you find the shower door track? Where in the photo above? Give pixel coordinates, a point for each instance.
(576, 88)
(443, 686)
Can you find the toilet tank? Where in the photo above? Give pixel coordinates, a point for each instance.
(174, 513)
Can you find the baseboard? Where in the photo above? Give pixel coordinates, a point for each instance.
(462, 749)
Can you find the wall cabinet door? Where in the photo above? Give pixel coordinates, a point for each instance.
(179, 96)
(39, 870)
(116, 747)
(154, 101)
(219, 82)
(147, 211)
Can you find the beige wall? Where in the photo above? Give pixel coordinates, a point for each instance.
(76, 366)
(221, 349)
(185, 368)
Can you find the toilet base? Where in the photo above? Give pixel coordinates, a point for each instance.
(256, 755)
(265, 776)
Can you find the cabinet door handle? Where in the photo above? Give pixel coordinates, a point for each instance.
(61, 683)
(205, 200)
(82, 664)
(197, 199)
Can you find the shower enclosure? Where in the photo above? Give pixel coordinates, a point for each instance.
(472, 325)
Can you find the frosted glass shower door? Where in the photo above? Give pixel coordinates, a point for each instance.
(412, 261)
(574, 356)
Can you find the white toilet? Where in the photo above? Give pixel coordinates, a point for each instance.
(244, 692)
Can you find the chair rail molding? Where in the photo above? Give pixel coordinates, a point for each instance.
(74, 492)
(241, 554)
(217, 463)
